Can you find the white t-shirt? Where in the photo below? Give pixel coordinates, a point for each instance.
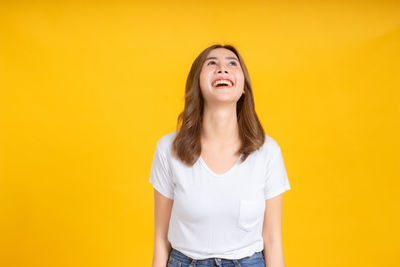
(218, 215)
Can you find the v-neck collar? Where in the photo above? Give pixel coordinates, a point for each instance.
(223, 174)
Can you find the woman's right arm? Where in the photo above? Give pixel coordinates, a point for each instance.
(162, 214)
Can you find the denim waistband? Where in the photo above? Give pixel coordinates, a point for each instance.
(176, 254)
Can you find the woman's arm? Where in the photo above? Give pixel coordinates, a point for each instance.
(272, 232)
(162, 213)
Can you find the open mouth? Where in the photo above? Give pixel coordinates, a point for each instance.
(222, 83)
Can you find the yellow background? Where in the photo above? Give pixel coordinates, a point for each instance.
(88, 87)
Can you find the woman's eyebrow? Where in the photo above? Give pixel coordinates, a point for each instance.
(226, 58)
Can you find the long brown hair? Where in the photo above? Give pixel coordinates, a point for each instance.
(186, 145)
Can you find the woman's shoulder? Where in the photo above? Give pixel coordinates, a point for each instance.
(270, 146)
(164, 143)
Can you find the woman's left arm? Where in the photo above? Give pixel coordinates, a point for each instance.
(272, 232)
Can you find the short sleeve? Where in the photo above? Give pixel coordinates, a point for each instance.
(277, 180)
(160, 176)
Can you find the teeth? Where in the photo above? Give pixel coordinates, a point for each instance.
(227, 82)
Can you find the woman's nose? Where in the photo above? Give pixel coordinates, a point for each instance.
(219, 71)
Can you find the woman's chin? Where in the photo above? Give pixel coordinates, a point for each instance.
(226, 97)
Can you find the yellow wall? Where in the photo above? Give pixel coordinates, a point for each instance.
(87, 88)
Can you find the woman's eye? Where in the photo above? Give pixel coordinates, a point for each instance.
(232, 62)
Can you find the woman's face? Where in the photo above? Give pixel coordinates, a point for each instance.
(221, 77)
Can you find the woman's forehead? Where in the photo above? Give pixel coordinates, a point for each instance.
(221, 52)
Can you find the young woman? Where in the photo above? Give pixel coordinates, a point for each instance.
(218, 179)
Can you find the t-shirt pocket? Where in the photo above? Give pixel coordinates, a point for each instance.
(251, 212)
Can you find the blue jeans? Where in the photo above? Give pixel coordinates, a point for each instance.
(178, 259)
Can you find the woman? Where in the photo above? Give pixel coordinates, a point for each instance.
(218, 179)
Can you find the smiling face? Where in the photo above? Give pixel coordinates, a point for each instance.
(221, 77)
